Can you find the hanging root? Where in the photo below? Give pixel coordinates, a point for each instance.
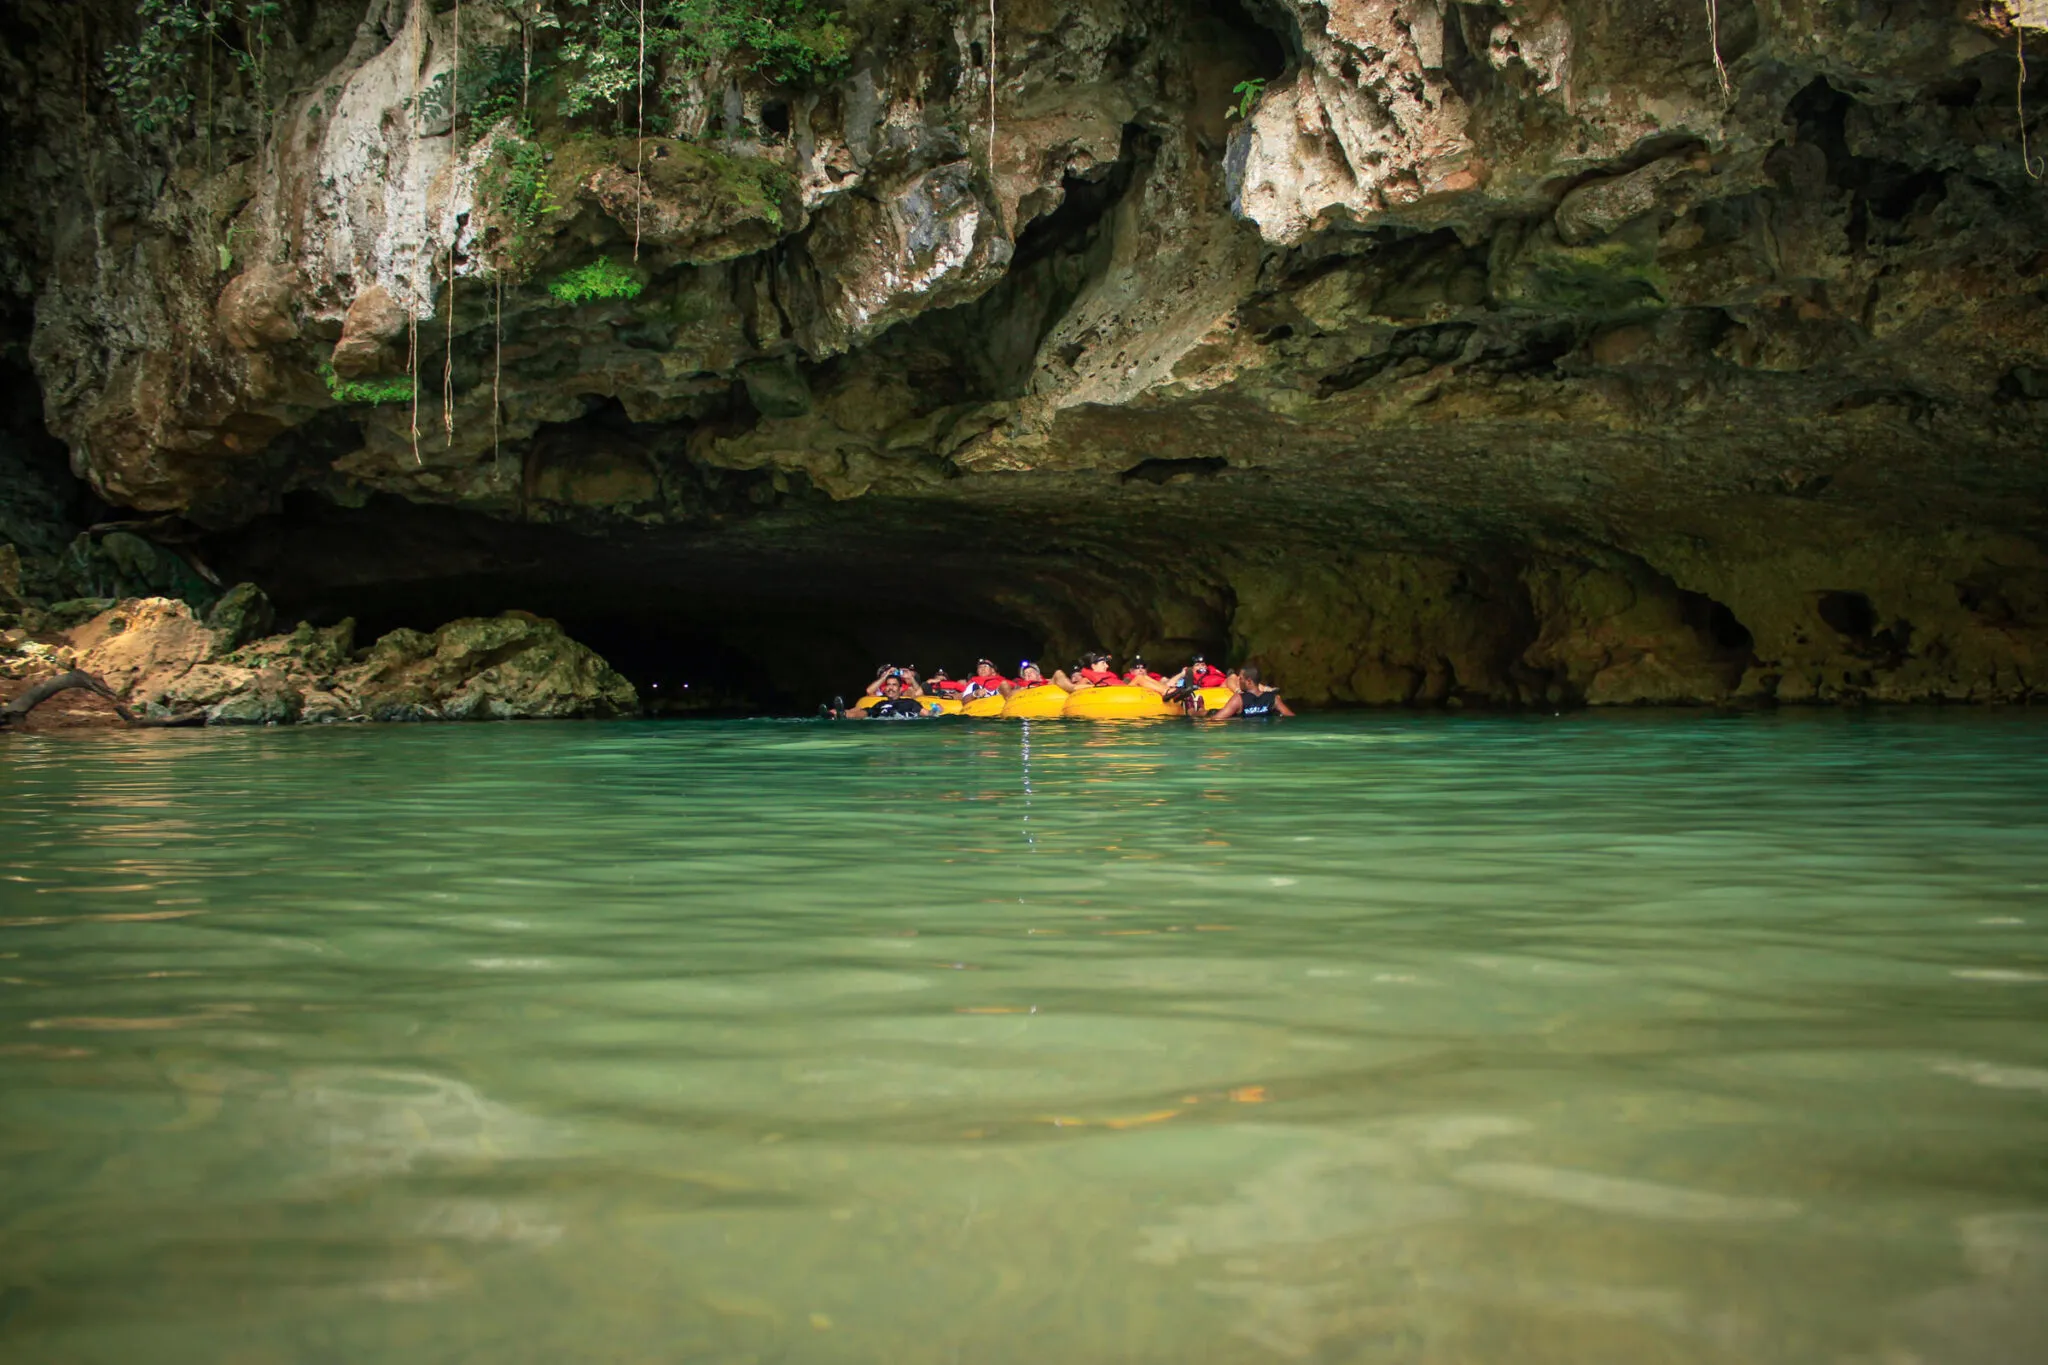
(16, 712)
(497, 362)
(1714, 35)
(640, 134)
(455, 144)
(991, 91)
(2034, 167)
(412, 319)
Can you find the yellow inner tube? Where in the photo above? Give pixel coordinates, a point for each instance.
(983, 706)
(1036, 703)
(947, 706)
(1118, 703)
(1214, 697)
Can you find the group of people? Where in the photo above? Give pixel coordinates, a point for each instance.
(897, 687)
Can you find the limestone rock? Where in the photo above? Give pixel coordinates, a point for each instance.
(266, 699)
(373, 320)
(257, 308)
(242, 614)
(511, 667)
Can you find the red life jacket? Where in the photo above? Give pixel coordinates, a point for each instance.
(1206, 676)
(992, 682)
(1137, 673)
(948, 685)
(1098, 676)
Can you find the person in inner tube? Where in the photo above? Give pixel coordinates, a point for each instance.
(1141, 676)
(1199, 673)
(896, 682)
(1253, 700)
(939, 685)
(1028, 677)
(899, 699)
(1093, 672)
(986, 682)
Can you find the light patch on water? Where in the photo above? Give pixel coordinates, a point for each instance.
(510, 964)
(481, 1220)
(377, 1121)
(1620, 1195)
(1995, 1077)
(2005, 975)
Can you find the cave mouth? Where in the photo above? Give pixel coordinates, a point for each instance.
(774, 650)
(706, 619)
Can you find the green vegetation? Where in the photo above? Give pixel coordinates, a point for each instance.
(603, 278)
(366, 390)
(787, 40)
(515, 185)
(152, 78)
(1248, 93)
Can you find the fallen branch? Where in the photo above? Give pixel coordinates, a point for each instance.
(16, 711)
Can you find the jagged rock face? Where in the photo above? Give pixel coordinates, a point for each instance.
(1494, 356)
(161, 658)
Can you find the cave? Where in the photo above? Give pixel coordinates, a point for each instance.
(1149, 354)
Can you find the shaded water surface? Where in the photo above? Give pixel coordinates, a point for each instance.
(1602, 1039)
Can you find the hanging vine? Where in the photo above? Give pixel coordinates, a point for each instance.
(454, 229)
(991, 91)
(1714, 36)
(2033, 166)
(412, 309)
(640, 133)
(497, 365)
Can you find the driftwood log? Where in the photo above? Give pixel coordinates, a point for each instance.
(16, 711)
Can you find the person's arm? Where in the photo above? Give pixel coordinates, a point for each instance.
(1064, 683)
(1228, 709)
(874, 689)
(1281, 705)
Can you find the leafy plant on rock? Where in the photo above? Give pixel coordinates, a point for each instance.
(152, 79)
(603, 278)
(392, 390)
(1248, 93)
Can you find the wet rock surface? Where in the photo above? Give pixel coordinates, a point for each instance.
(1494, 355)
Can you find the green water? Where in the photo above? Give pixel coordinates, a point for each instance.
(1598, 1039)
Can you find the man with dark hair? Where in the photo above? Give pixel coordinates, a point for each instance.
(1253, 700)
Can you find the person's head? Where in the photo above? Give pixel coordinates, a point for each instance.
(1137, 663)
(884, 671)
(1098, 660)
(1028, 671)
(939, 675)
(1198, 664)
(1249, 674)
(984, 669)
(892, 686)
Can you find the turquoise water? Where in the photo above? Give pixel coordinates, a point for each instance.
(1403, 1039)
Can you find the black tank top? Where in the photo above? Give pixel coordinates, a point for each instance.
(1259, 703)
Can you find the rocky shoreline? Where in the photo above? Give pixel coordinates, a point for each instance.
(162, 659)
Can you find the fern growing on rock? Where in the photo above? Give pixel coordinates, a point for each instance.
(603, 278)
